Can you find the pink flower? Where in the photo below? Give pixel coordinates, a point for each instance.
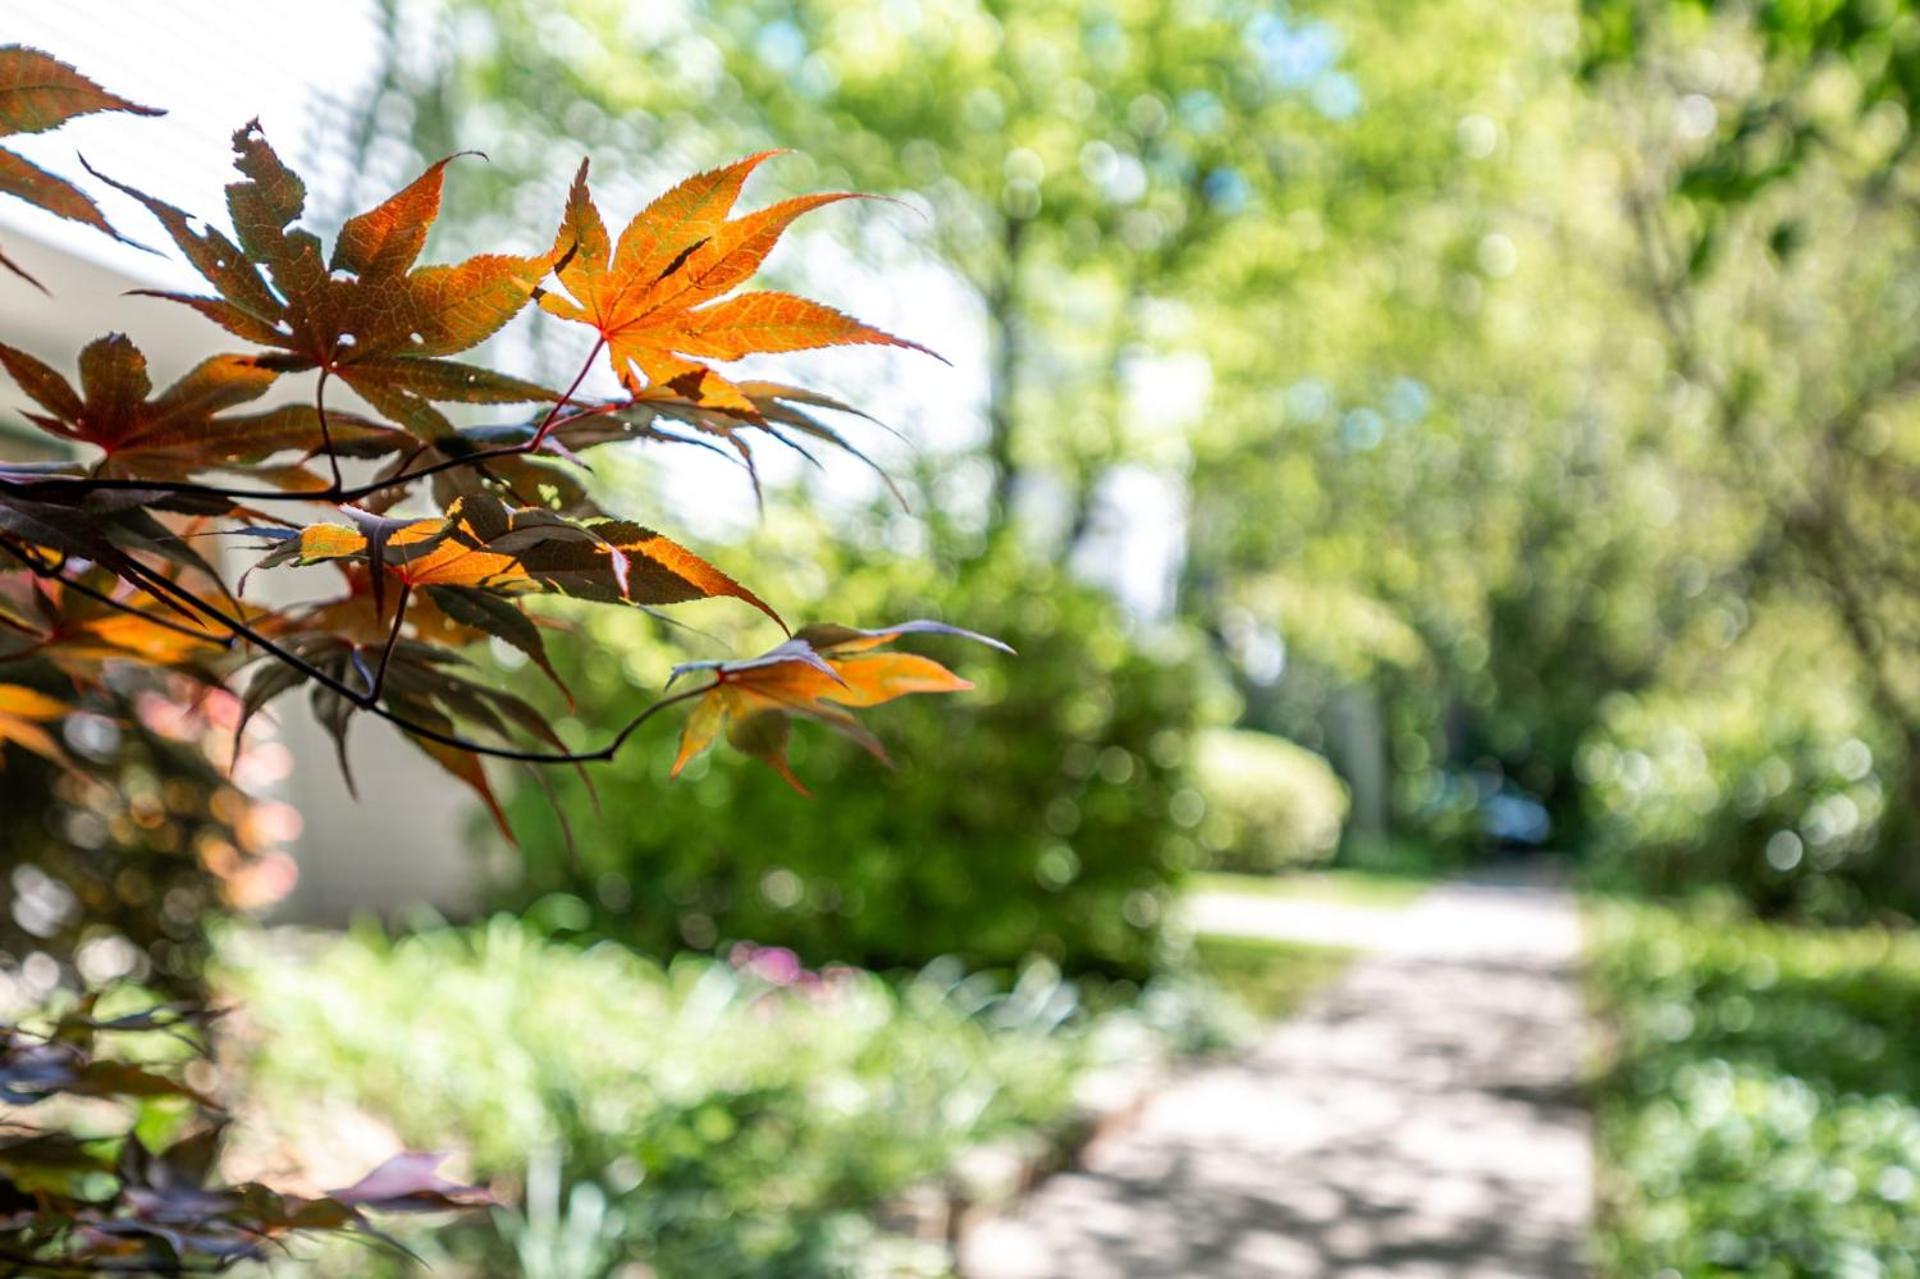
(778, 965)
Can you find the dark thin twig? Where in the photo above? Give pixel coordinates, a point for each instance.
(190, 605)
(338, 490)
(53, 572)
(547, 423)
(362, 700)
(326, 429)
(187, 488)
(393, 639)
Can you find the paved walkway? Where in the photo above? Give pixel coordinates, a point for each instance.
(1421, 1118)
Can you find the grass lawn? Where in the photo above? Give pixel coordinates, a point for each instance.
(1760, 1111)
(1366, 889)
(1270, 978)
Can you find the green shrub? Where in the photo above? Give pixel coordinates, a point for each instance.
(712, 1118)
(1763, 1115)
(1768, 778)
(1271, 804)
(1045, 813)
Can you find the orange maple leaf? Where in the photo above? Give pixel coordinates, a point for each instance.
(647, 295)
(484, 544)
(424, 683)
(40, 92)
(819, 674)
(366, 314)
(81, 623)
(22, 712)
(180, 431)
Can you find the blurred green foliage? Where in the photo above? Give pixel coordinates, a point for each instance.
(1772, 156)
(1513, 372)
(1076, 159)
(1311, 268)
(1762, 1111)
(713, 1118)
(1539, 393)
(1271, 805)
(1045, 813)
(1762, 773)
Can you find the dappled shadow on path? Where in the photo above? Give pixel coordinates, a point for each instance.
(1423, 1118)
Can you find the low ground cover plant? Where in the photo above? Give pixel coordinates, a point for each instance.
(735, 1116)
(1761, 1113)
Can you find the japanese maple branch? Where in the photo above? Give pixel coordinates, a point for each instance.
(393, 640)
(187, 488)
(23, 1264)
(475, 458)
(547, 423)
(338, 491)
(326, 428)
(673, 699)
(56, 572)
(365, 701)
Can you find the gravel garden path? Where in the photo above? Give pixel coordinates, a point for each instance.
(1421, 1117)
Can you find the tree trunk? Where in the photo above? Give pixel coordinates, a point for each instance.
(1003, 307)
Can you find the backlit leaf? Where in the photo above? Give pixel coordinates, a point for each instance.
(23, 716)
(40, 92)
(775, 410)
(819, 674)
(185, 429)
(368, 315)
(647, 295)
(483, 544)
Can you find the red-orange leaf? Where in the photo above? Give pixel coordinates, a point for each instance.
(423, 684)
(25, 180)
(769, 322)
(40, 92)
(178, 432)
(646, 295)
(818, 674)
(484, 544)
(78, 631)
(468, 768)
(777, 410)
(368, 315)
(23, 713)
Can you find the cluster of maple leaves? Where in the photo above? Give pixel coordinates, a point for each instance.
(454, 527)
(167, 1211)
(103, 563)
